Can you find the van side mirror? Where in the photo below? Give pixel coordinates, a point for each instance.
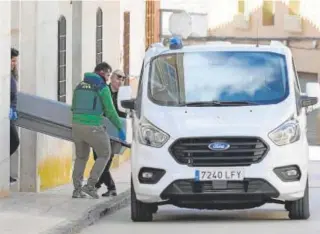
(312, 90)
(128, 104)
(307, 101)
(124, 93)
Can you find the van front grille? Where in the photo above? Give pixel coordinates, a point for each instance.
(195, 152)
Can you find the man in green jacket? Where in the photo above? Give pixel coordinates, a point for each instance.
(91, 102)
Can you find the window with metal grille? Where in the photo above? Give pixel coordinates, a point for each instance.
(294, 7)
(62, 48)
(268, 11)
(241, 6)
(99, 36)
(126, 42)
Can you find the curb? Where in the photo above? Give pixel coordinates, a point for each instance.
(92, 215)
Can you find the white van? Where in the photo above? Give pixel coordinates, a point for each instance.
(218, 126)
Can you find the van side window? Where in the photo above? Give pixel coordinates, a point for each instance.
(139, 93)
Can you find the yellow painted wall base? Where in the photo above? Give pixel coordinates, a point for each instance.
(123, 158)
(55, 171)
(116, 162)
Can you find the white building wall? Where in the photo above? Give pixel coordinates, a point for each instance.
(111, 33)
(89, 35)
(137, 11)
(5, 41)
(44, 160)
(28, 83)
(35, 34)
(15, 42)
(51, 151)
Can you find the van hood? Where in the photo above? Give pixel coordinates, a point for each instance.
(214, 121)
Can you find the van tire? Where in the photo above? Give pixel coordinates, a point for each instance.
(154, 209)
(287, 205)
(299, 209)
(140, 212)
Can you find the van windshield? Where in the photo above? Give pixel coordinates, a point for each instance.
(218, 78)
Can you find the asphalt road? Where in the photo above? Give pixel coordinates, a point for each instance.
(270, 218)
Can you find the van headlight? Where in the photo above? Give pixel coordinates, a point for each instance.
(286, 133)
(150, 135)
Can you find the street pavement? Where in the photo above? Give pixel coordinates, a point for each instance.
(270, 218)
(267, 219)
(54, 211)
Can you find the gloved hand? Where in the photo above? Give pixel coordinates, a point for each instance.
(13, 114)
(122, 135)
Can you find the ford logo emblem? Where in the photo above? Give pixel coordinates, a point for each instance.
(216, 146)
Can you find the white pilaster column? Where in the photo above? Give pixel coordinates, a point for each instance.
(76, 43)
(5, 44)
(15, 43)
(28, 84)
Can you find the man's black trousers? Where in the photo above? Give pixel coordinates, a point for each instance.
(14, 138)
(106, 177)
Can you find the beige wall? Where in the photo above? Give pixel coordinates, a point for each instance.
(306, 60)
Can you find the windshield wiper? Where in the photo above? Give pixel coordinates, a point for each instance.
(238, 103)
(218, 103)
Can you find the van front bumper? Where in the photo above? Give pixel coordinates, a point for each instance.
(177, 182)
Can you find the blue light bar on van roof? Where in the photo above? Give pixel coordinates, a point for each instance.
(175, 43)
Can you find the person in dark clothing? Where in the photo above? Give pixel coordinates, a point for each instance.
(14, 136)
(117, 79)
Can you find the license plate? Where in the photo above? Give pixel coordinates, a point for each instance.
(219, 174)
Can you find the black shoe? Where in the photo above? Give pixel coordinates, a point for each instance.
(12, 180)
(110, 193)
(97, 186)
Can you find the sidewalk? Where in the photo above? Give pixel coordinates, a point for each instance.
(55, 212)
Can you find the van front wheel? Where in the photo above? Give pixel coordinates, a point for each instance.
(140, 212)
(299, 210)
